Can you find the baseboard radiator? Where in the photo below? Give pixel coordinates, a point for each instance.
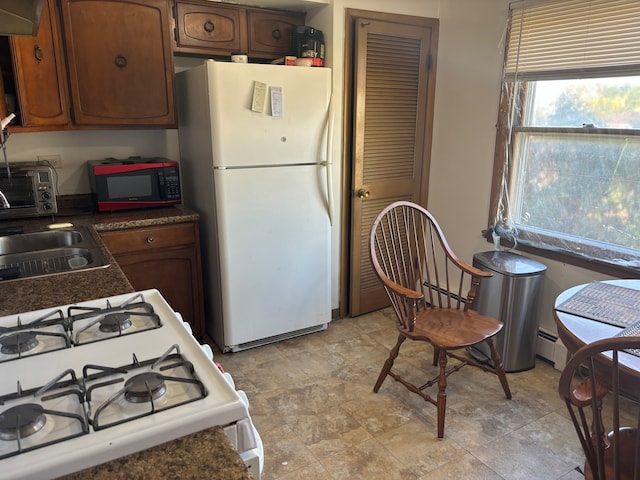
(551, 348)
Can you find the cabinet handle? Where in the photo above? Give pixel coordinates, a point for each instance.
(362, 193)
(38, 53)
(276, 34)
(209, 26)
(150, 239)
(120, 61)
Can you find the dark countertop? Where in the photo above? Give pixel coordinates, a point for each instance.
(185, 458)
(29, 294)
(201, 455)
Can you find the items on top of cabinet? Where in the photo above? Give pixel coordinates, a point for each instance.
(307, 42)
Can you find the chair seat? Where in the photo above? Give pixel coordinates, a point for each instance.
(448, 329)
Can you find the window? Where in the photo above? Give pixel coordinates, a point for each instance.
(567, 175)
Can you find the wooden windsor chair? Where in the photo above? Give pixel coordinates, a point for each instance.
(602, 397)
(431, 292)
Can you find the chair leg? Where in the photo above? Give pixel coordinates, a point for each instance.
(436, 355)
(389, 363)
(499, 368)
(442, 393)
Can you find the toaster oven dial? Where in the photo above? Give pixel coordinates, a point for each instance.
(47, 206)
(46, 195)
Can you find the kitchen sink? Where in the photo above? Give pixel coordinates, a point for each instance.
(35, 241)
(35, 254)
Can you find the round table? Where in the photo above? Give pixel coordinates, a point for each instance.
(576, 331)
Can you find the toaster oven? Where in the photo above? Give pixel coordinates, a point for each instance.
(27, 190)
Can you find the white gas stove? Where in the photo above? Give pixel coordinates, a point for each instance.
(91, 382)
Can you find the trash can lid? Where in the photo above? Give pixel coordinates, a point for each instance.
(509, 263)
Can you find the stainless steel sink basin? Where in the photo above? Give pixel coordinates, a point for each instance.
(36, 254)
(34, 241)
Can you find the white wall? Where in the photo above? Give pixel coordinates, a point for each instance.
(467, 93)
(75, 148)
(467, 89)
(470, 52)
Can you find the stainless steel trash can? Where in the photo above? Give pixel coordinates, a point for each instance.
(513, 296)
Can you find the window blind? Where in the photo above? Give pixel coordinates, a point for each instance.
(573, 39)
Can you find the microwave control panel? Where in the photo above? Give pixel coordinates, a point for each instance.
(169, 180)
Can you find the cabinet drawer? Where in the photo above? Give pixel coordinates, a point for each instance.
(140, 239)
(202, 26)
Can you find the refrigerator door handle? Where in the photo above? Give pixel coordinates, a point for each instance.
(329, 159)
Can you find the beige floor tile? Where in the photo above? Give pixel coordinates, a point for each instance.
(367, 460)
(312, 401)
(545, 449)
(467, 467)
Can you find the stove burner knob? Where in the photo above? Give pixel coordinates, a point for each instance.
(207, 351)
(227, 376)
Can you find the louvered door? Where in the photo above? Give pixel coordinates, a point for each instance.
(392, 114)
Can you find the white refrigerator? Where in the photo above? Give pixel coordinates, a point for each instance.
(253, 147)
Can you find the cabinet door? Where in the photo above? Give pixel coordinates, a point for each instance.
(167, 258)
(120, 62)
(269, 33)
(38, 64)
(174, 272)
(203, 27)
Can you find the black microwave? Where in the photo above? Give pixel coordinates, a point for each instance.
(134, 183)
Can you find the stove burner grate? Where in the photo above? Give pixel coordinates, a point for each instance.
(18, 342)
(93, 324)
(116, 322)
(39, 417)
(21, 421)
(31, 342)
(145, 387)
(46, 333)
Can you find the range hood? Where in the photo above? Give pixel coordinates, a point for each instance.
(20, 17)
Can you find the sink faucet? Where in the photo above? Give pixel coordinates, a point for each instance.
(4, 203)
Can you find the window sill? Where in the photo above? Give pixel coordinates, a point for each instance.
(577, 260)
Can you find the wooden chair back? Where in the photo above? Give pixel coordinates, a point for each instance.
(408, 248)
(602, 397)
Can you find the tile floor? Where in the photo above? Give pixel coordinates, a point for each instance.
(312, 402)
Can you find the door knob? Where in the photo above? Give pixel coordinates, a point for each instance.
(362, 193)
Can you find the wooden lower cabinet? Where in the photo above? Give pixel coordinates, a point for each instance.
(165, 257)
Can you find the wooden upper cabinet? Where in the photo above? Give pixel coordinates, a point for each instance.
(269, 33)
(120, 62)
(209, 28)
(40, 83)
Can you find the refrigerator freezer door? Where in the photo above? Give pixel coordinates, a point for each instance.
(274, 252)
(243, 137)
